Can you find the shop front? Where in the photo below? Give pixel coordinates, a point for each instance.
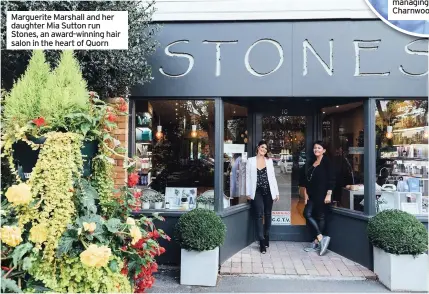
(221, 87)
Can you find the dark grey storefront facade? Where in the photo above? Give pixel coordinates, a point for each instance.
(297, 67)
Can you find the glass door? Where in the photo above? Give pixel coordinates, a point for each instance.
(285, 136)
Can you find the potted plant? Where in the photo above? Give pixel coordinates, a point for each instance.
(158, 199)
(199, 233)
(201, 202)
(210, 203)
(145, 201)
(400, 250)
(44, 101)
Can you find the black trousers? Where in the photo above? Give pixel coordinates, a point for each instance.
(315, 215)
(262, 206)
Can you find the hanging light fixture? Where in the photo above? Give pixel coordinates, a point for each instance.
(194, 131)
(389, 133)
(426, 132)
(159, 134)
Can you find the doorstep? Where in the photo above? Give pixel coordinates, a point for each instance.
(286, 258)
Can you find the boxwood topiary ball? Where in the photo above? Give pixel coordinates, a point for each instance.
(200, 230)
(398, 232)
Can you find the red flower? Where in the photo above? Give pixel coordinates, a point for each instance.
(154, 267)
(122, 105)
(155, 234)
(161, 250)
(168, 238)
(133, 179)
(92, 94)
(150, 235)
(111, 117)
(137, 194)
(39, 121)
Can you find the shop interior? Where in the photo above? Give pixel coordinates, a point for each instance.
(175, 141)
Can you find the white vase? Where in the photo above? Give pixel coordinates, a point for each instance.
(146, 205)
(158, 205)
(199, 268)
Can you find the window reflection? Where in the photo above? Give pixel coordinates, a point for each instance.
(342, 130)
(402, 155)
(174, 140)
(235, 154)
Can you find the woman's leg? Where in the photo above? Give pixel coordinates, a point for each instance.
(268, 208)
(308, 214)
(258, 207)
(320, 213)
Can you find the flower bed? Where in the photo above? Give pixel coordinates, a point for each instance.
(63, 229)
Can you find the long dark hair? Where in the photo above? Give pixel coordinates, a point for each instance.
(262, 142)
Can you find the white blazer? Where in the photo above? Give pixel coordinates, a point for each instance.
(252, 176)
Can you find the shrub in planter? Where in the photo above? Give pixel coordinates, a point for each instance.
(400, 244)
(199, 233)
(398, 232)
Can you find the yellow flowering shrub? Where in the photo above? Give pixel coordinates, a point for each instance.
(11, 235)
(51, 181)
(39, 233)
(95, 256)
(19, 194)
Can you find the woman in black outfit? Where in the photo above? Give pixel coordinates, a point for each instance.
(319, 183)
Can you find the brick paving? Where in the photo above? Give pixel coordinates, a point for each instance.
(289, 258)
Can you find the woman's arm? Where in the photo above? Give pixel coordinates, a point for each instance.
(276, 187)
(331, 179)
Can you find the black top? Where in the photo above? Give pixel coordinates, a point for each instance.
(318, 180)
(262, 181)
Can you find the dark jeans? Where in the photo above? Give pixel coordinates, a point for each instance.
(315, 216)
(262, 205)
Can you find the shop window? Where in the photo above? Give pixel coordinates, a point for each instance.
(235, 154)
(343, 132)
(174, 141)
(402, 155)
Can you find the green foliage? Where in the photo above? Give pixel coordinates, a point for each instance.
(71, 276)
(398, 232)
(60, 161)
(22, 103)
(110, 73)
(65, 92)
(200, 230)
(9, 285)
(157, 197)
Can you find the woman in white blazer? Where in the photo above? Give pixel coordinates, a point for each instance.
(262, 190)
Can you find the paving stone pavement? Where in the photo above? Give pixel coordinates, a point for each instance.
(289, 258)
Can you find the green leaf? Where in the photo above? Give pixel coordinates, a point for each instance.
(19, 252)
(113, 265)
(8, 284)
(89, 189)
(113, 225)
(27, 263)
(84, 128)
(66, 242)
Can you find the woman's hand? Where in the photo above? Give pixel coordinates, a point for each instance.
(305, 199)
(277, 198)
(328, 198)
